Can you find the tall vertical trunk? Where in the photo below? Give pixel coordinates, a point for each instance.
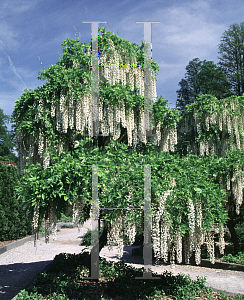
(234, 237)
(102, 242)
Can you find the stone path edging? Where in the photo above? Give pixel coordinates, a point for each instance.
(204, 262)
(19, 242)
(233, 281)
(135, 252)
(22, 241)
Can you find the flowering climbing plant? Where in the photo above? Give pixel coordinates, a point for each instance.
(215, 126)
(181, 188)
(189, 193)
(51, 115)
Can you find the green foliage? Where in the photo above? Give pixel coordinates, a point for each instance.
(65, 280)
(7, 142)
(119, 172)
(86, 239)
(231, 53)
(14, 222)
(202, 77)
(114, 94)
(72, 75)
(207, 106)
(166, 116)
(240, 232)
(236, 259)
(65, 218)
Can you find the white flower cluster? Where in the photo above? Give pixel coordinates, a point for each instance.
(31, 150)
(63, 107)
(207, 120)
(178, 246)
(221, 240)
(237, 188)
(228, 182)
(53, 107)
(158, 134)
(160, 229)
(209, 238)
(130, 224)
(130, 73)
(78, 214)
(199, 233)
(41, 145)
(53, 221)
(130, 227)
(191, 218)
(115, 236)
(78, 115)
(46, 160)
(226, 122)
(40, 109)
(168, 138)
(71, 112)
(35, 218)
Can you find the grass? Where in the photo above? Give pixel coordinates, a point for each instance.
(66, 279)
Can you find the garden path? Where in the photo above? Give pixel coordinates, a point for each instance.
(19, 266)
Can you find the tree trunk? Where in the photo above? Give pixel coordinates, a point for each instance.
(234, 237)
(99, 245)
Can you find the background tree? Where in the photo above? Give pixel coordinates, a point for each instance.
(231, 59)
(7, 141)
(202, 77)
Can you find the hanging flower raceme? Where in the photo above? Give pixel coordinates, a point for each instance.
(35, 220)
(78, 214)
(199, 232)
(237, 188)
(178, 246)
(191, 219)
(115, 236)
(129, 220)
(221, 240)
(160, 229)
(217, 121)
(210, 245)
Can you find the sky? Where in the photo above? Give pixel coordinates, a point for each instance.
(31, 33)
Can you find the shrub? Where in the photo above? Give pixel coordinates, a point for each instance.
(14, 221)
(236, 259)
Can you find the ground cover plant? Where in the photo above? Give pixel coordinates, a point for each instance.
(236, 259)
(230, 255)
(65, 279)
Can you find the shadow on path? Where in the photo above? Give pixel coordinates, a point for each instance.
(16, 277)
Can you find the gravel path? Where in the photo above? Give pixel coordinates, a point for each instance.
(19, 266)
(231, 282)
